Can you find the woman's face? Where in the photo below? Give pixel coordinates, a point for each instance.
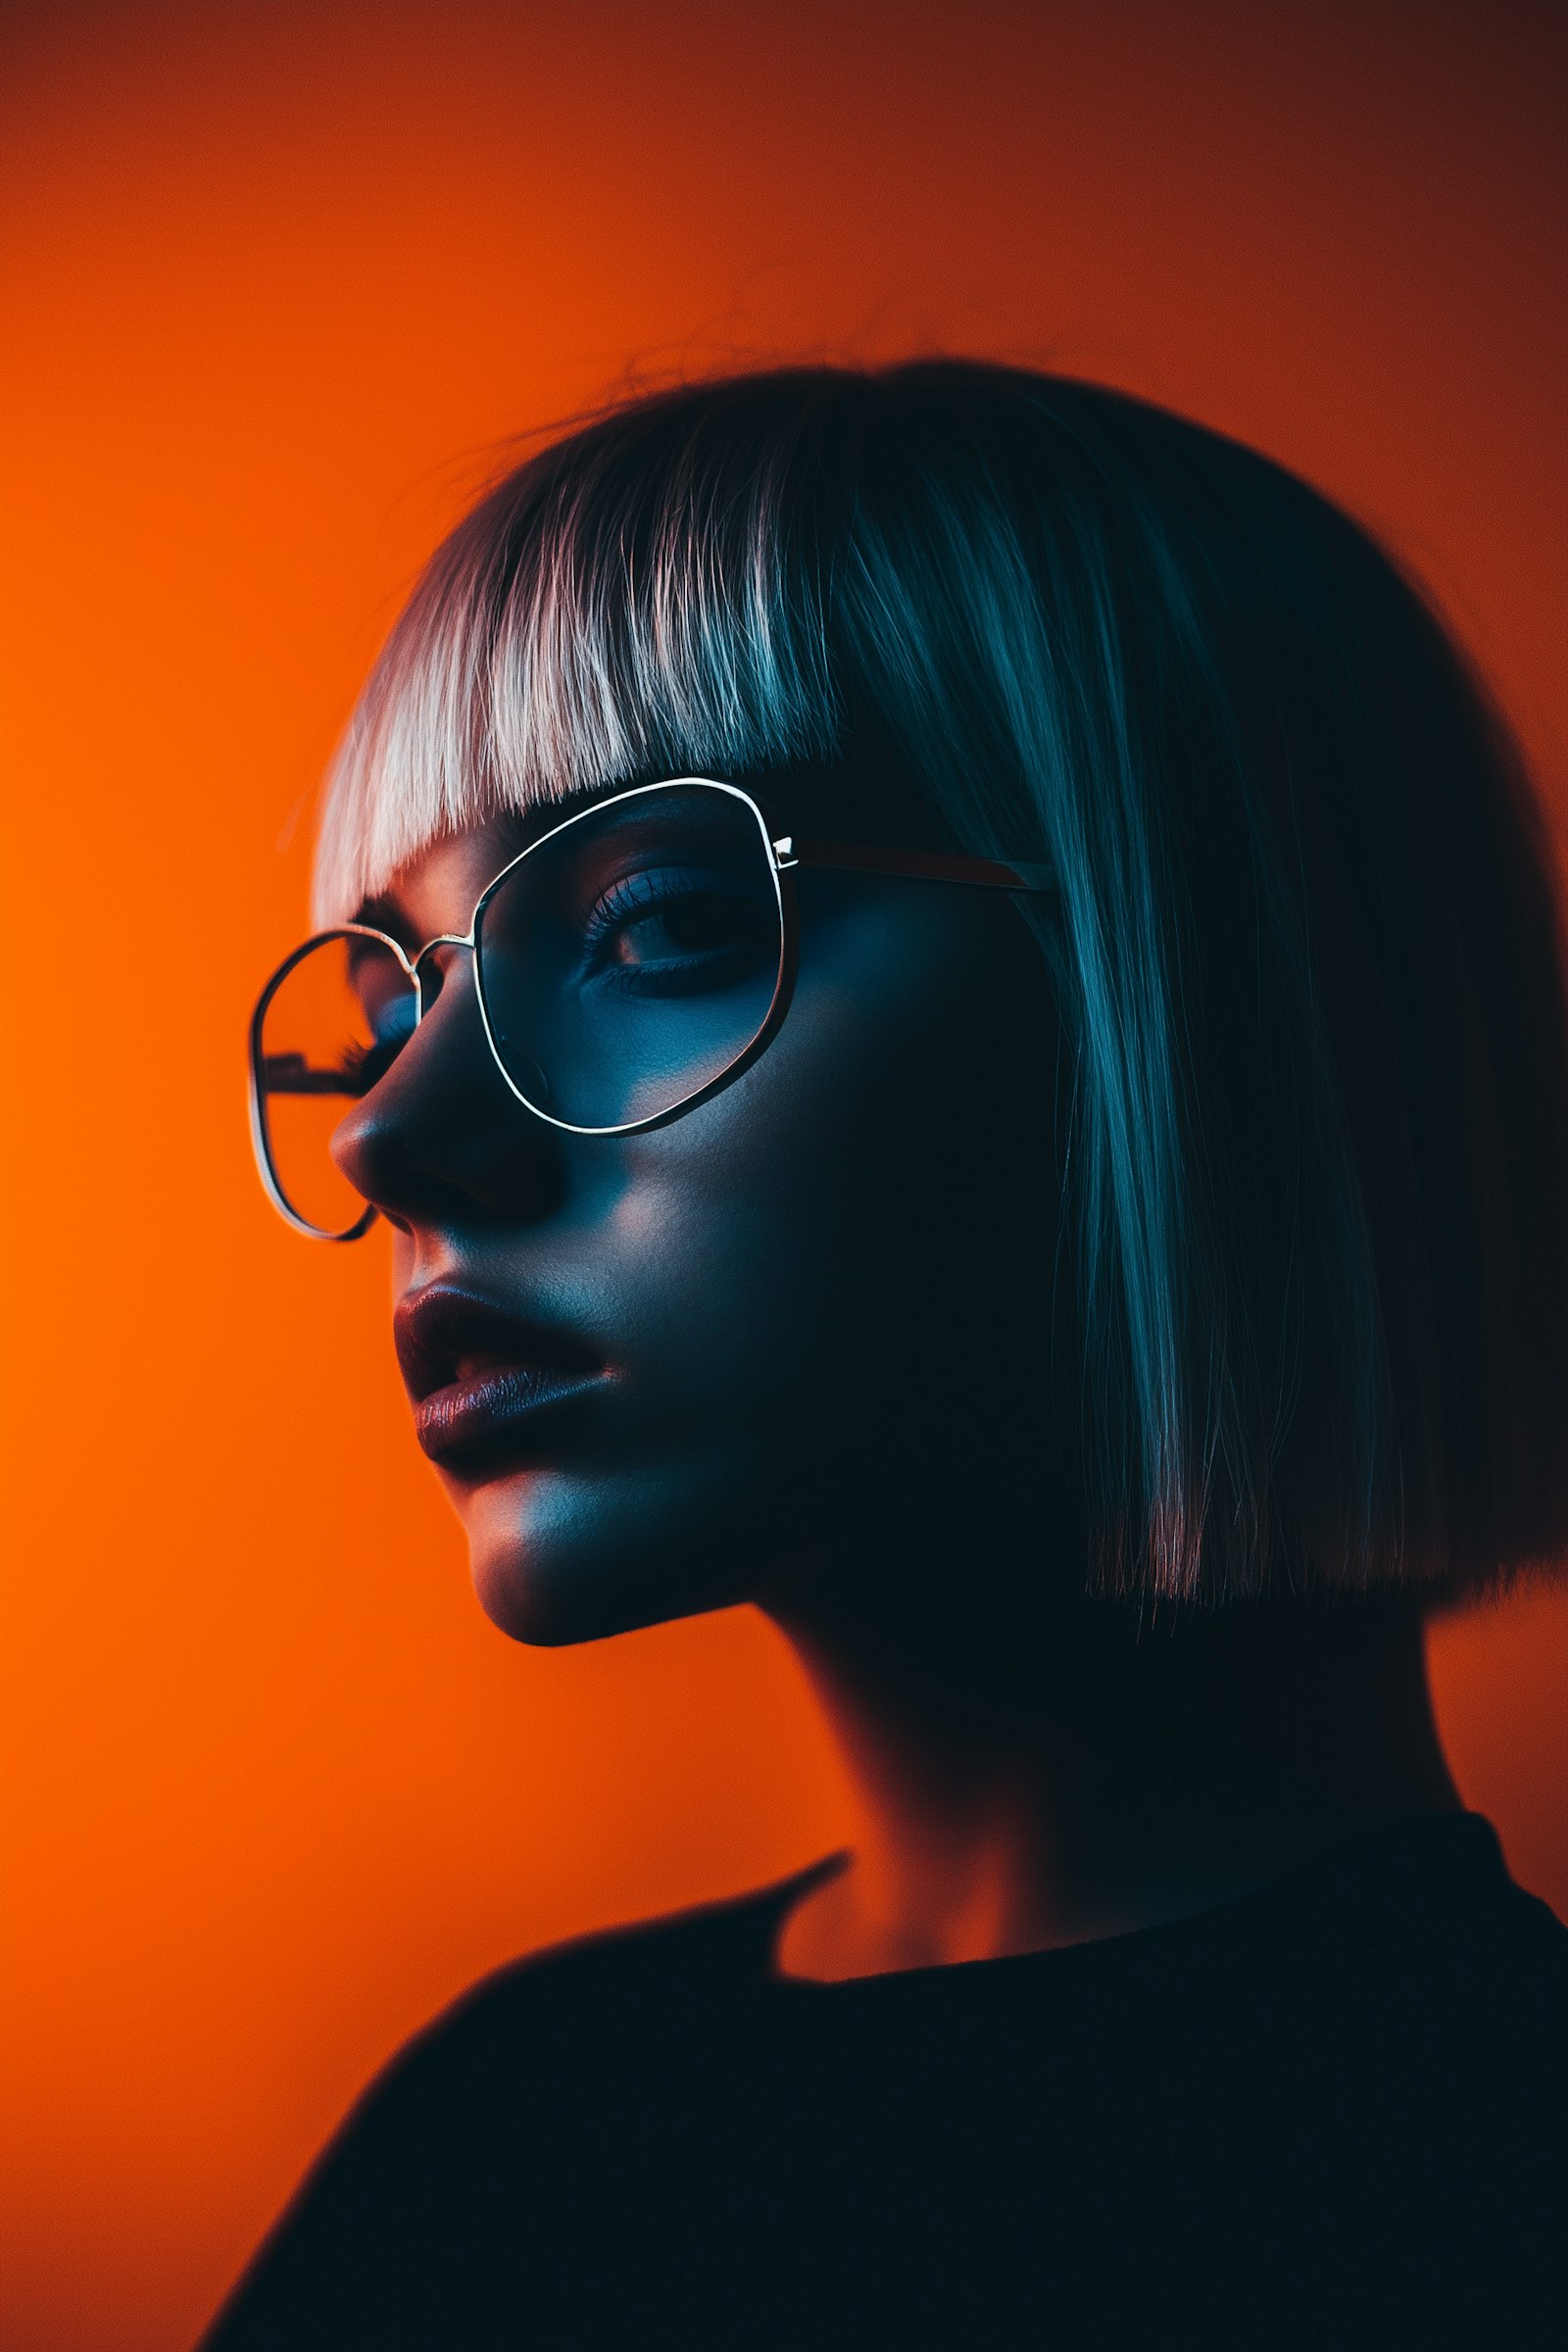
(800, 1330)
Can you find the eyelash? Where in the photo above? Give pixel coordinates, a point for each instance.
(379, 1056)
(638, 896)
(639, 893)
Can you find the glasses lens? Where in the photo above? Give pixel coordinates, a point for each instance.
(333, 1026)
(634, 956)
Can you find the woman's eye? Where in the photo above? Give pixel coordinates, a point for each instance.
(672, 926)
(365, 1061)
(688, 927)
(389, 1019)
(393, 1022)
(365, 1067)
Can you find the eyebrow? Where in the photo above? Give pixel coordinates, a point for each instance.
(383, 915)
(515, 830)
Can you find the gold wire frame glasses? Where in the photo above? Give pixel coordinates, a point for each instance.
(627, 965)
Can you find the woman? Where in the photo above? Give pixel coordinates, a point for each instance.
(957, 1012)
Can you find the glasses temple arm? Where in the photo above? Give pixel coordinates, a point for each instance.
(915, 865)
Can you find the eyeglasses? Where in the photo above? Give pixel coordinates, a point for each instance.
(630, 962)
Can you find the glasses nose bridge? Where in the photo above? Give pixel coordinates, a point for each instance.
(417, 962)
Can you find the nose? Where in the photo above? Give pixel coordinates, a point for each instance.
(442, 1140)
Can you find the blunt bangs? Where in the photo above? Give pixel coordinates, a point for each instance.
(629, 604)
(1311, 1334)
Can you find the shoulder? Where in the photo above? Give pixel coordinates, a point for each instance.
(615, 1984)
(575, 2031)
(1352, 2087)
(1410, 1956)
(1442, 1925)
(563, 2087)
(1423, 2067)
(1472, 1979)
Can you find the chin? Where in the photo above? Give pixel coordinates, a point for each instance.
(553, 1564)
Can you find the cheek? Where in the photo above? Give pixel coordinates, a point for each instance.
(853, 1243)
(825, 1292)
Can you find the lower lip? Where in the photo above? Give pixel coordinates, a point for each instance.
(495, 1414)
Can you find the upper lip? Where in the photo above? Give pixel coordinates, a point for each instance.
(437, 1327)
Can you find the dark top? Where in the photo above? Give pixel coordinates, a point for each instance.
(1332, 2113)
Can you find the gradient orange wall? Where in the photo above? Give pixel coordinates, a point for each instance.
(278, 279)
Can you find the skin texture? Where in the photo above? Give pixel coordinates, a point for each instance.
(824, 1307)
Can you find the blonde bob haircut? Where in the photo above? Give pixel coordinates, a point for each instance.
(1307, 950)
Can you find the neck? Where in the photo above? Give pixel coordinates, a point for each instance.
(1102, 1773)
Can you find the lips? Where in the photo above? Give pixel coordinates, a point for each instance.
(484, 1383)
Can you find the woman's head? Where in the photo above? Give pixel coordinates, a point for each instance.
(1195, 1230)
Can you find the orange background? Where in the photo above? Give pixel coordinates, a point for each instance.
(280, 277)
